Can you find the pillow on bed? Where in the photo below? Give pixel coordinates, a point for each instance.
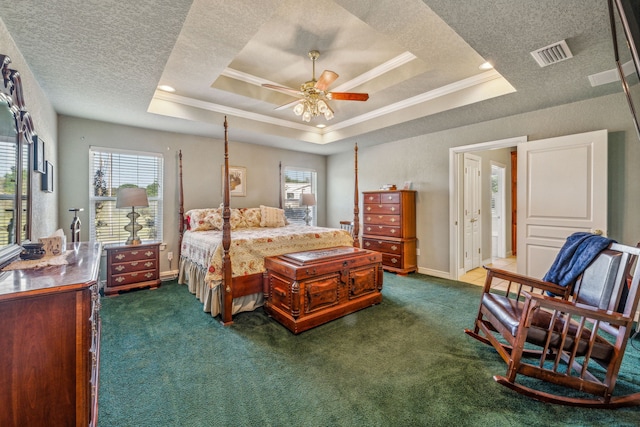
(236, 220)
(198, 219)
(271, 217)
(214, 218)
(251, 216)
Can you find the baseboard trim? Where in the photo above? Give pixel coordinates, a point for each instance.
(435, 273)
(165, 276)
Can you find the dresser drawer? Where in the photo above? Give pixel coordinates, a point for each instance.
(379, 219)
(382, 208)
(383, 230)
(124, 255)
(382, 246)
(134, 277)
(389, 197)
(392, 260)
(372, 198)
(127, 267)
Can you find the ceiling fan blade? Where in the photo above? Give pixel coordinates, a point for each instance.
(283, 89)
(326, 78)
(287, 105)
(348, 96)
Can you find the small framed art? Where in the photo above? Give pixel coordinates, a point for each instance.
(47, 177)
(38, 154)
(237, 180)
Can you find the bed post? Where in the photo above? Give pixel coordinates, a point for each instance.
(181, 208)
(356, 202)
(227, 294)
(280, 184)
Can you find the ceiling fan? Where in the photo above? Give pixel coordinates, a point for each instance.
(314, 94)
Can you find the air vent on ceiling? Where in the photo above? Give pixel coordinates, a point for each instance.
(551, 54)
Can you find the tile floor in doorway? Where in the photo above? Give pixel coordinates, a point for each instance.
(477, 275)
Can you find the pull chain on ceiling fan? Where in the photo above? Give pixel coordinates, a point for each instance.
(314, 94)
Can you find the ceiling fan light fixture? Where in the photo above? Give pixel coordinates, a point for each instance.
(328, 113)
(299, 109)
(314, 94)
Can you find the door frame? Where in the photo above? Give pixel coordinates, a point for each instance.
(455, 193)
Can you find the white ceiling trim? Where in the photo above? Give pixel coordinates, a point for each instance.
(418, 99)
(247, 78)
(375, 72)
(223, 109)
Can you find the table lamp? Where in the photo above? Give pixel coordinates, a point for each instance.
(308, 199)
(131, 198)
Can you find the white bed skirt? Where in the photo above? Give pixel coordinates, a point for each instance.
(210, 296)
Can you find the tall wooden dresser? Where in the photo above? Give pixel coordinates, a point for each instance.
(50, 342)
(389, 227)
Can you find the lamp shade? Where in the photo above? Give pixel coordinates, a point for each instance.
(308, 199)
(132, 198)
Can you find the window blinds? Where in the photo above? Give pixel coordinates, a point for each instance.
(112, 169)
(296, 182)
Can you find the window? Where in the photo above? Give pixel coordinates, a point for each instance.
(111, 169)
(296, 182)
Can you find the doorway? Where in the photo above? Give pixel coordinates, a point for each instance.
(456, 199)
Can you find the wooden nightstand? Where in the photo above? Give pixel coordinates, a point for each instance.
(132, 267)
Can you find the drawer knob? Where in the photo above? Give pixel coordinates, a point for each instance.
(394, 260)
(393, 209)
(120, 257)
(394, 247)
(120, 268)
(393, 220)
(134, 252)
(389, 198)
(134, 263)
(393, 231)
(367, 244)
(148, 253)
(368, 208)
(148, 275)
(370, 197)
(148, 264)
(119, 279)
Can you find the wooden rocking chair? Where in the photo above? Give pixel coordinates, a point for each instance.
(576, 340)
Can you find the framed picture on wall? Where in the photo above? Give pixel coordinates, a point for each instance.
(47, 178)
(237, 180)
(38, 154)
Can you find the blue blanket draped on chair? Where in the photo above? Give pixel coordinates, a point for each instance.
(575, 256)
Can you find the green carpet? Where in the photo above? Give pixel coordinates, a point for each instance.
(404, 362)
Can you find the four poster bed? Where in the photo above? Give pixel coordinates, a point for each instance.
(225, 270)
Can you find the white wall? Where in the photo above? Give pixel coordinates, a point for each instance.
(424, 160)
(202, 170)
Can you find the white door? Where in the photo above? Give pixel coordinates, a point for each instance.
(471, 211)
(562, 189)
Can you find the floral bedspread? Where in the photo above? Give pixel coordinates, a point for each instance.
(249, 247)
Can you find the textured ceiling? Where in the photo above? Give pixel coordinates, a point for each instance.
(418, 60)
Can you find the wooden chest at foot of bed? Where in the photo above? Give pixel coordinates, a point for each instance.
(306, 289)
